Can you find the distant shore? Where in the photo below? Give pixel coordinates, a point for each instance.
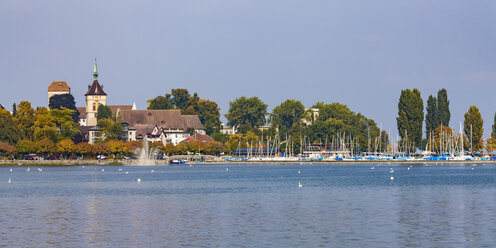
(223, 162)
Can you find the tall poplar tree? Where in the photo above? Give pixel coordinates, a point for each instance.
(410, 116)
(443, 111)
(493, 133)
(431, 118)
(473, 127)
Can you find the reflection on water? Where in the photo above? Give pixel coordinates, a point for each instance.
(249, 205)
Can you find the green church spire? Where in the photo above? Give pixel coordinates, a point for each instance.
(95, 72)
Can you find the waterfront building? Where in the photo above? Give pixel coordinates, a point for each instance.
(227, 129)
(314, 114)
(166, 126)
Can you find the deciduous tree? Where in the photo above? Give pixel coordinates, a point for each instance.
(159, 102)
(64, 101)
(6, 150)
(25, 147)
(45, 147)
(287, 117)
(109, 130)
(246, 113)
(443, 111)
(209, 114)
(493, 133)
(431, 118)
(473, 127)
(84, 149)
(410, 116)
(66, 148)
(104, 112)
(9, 131)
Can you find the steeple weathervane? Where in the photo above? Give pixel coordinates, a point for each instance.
(95, 72)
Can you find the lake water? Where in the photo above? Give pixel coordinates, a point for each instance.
(249, 205)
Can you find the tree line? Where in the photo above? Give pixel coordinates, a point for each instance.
(411, 117)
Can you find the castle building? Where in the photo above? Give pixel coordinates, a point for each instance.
(57, 88)
(168, 126)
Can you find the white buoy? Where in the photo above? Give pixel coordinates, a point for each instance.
(472, 168)
(299, 171)
(227, 169)
(103, 169)
(152, 171)
(82, 166)
(408, 168)
(392, 178)
(10, 170)
(139, 180)
(10, 180)
(127, 172)
(300, 185)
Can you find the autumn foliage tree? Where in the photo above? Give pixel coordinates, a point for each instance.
(66, 148)
(6, 150)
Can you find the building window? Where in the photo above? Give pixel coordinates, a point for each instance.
(94, 107)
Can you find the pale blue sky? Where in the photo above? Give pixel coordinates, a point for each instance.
(360, 53)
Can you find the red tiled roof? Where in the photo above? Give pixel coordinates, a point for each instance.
(166, 118)
(58, 86)
(95, 89)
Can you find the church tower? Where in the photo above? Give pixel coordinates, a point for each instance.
(94, 97)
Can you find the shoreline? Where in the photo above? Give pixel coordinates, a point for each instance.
(223, 162)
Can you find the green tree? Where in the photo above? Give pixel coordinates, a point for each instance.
(244, 114)
(223, 138)
(180, 98)
(431, 118)
(54, 124)
(493, 133)
(214, 148)
(410, 116)
(473, 127)
(160, 102)
(104, 112)
(443, 111)
(25, 147)
(209, 114)
(109, 129)
(9, 131)
(287, 117)
(65, 101)
(25, 118)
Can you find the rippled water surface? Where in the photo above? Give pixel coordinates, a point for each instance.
(249, 205)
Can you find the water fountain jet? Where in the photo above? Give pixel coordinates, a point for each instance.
(146, 156)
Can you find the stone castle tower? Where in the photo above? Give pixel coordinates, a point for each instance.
(94, 97)
(58, 88)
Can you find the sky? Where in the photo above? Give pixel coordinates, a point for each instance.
(359, 53)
